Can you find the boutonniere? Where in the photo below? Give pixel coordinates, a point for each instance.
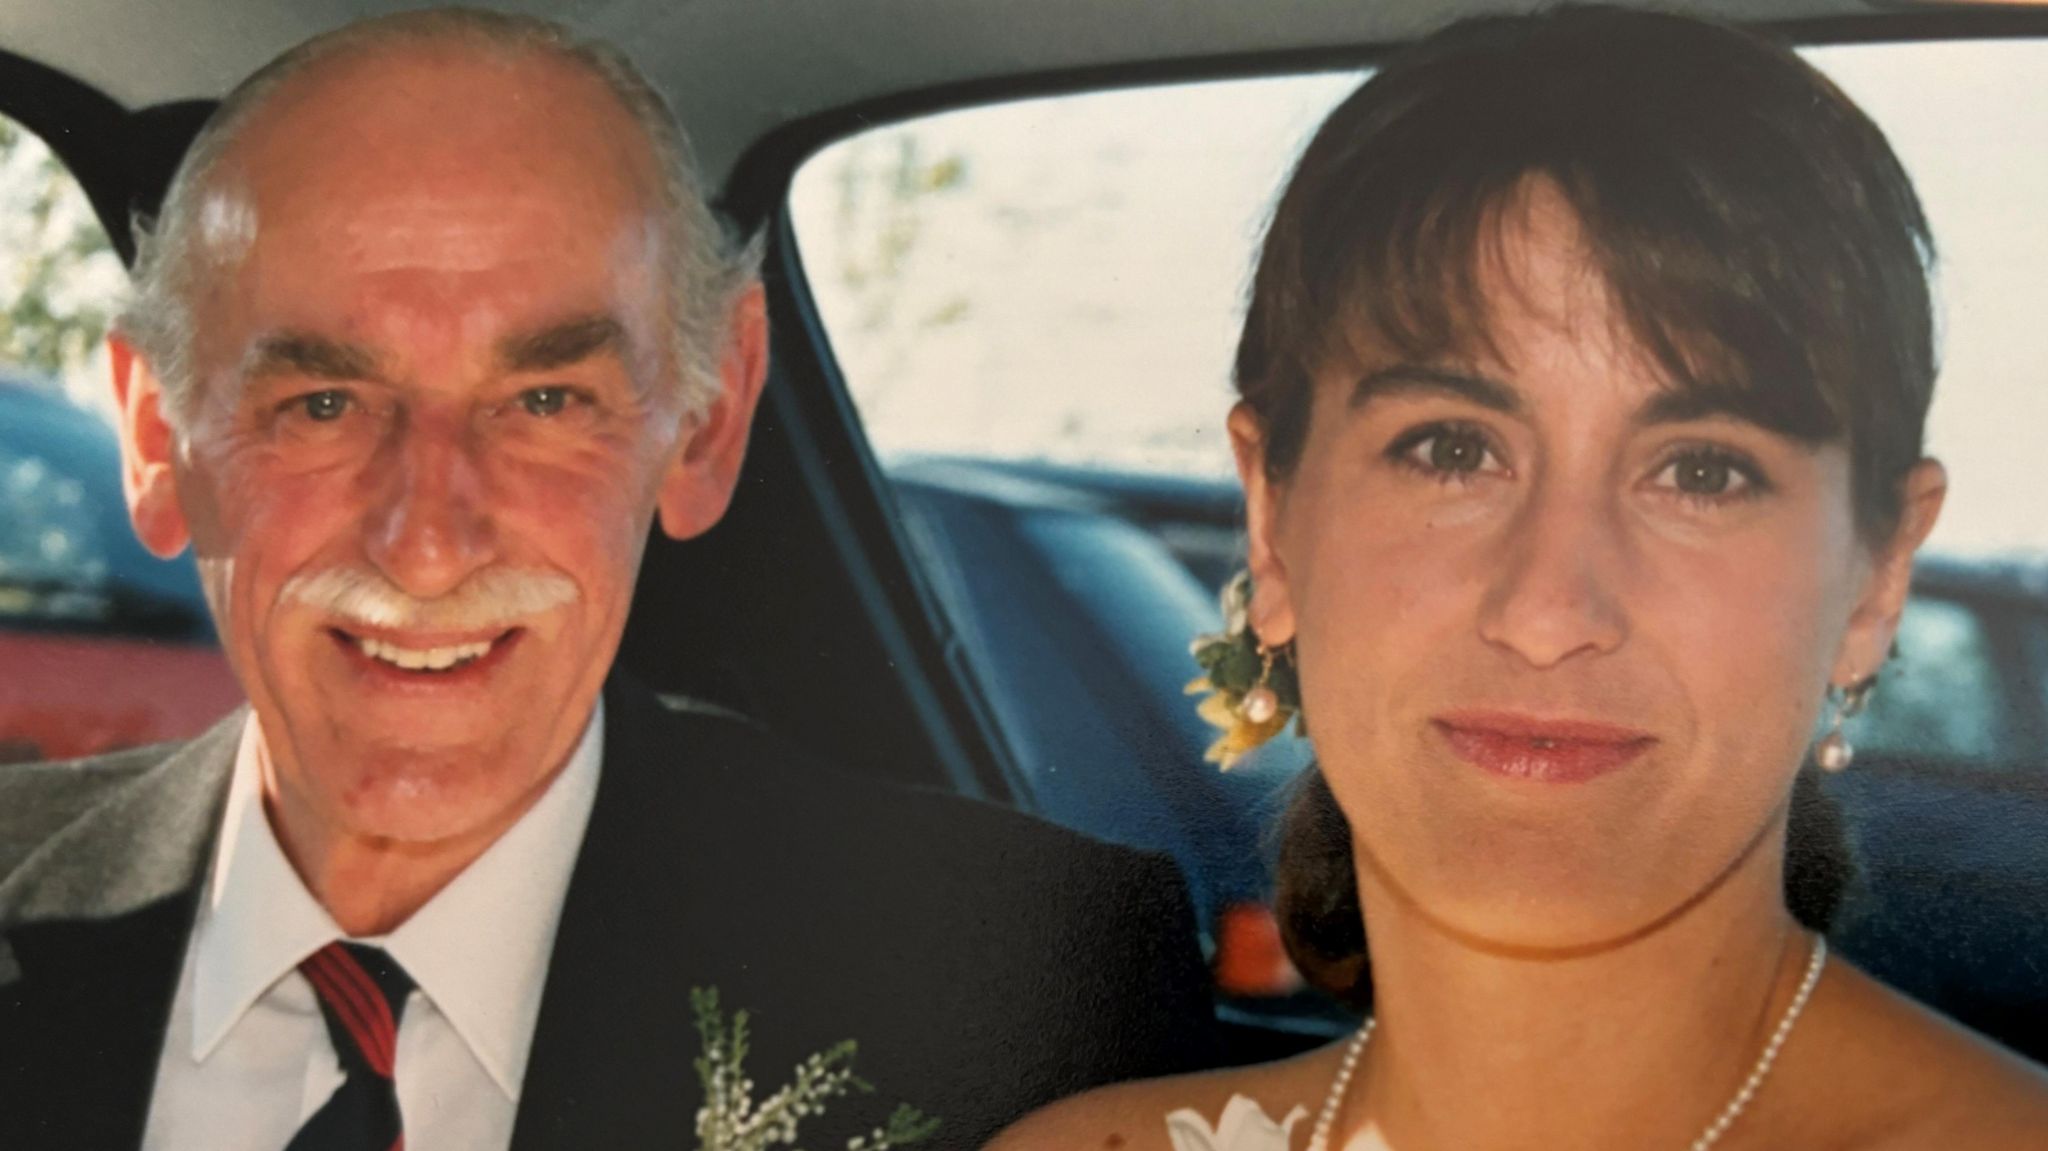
(731, 1120)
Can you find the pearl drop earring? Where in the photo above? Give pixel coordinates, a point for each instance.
(1834, 752)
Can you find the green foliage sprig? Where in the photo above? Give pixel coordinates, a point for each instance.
(731, 1120)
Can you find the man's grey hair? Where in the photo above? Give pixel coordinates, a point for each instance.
(708, 269)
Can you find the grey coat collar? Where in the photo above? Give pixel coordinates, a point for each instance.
(93, 924)
(146, 841)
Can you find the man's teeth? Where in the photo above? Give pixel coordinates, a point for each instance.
(423, 659)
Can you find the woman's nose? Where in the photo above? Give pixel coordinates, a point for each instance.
(1558, 589)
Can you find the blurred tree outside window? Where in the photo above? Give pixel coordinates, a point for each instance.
(60, 280)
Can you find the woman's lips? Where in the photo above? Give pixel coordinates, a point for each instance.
(1546, 751)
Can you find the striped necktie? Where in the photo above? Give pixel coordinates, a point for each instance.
(362, 994)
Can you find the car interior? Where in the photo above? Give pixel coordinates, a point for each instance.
(808, 609)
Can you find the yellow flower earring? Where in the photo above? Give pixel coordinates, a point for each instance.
(1251, 690)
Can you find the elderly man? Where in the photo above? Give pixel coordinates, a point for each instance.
(433, 325)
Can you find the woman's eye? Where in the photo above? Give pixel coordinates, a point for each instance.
(1447, 451)
(1709, 475)
(546, 401)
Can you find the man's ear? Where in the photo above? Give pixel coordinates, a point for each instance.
(148, 443)
(698, 485)
(1875, 619)
(1272, 606)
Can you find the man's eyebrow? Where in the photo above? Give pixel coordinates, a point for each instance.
(563, 344)
(1420, 379)
(304, 354)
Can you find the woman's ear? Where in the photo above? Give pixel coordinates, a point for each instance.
(1875, 620)
(1272, 609)
(148, 444)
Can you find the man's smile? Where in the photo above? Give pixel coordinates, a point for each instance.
(426, 657)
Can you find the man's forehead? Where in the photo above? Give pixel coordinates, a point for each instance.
(450, 229)
(442, 119)
(466, 183)
(436, 268)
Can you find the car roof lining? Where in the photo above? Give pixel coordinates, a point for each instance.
(708, 55)
(758, 175)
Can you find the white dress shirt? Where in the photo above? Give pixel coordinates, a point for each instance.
(247, 1059)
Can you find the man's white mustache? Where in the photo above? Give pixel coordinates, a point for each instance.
(495, 597)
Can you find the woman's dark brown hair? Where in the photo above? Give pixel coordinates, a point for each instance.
(1763, 243)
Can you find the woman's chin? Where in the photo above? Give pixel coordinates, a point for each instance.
(1550, 929)
(1555, 910)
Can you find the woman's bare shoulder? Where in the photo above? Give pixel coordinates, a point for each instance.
(1903, 1076)
(1132, 1116)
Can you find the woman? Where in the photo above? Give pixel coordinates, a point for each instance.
(1583, 385)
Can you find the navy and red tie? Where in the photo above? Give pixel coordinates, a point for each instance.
(362, 994)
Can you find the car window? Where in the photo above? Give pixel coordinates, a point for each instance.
(1061, 278)
(1052, 288)
(102, 645)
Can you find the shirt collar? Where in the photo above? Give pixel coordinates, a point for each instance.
(478, 950)
(480, 947)
(257, 921)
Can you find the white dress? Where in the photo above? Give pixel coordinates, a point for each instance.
(1243, 1126)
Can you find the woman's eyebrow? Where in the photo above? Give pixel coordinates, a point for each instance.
(1421, 379)
(1684, 406)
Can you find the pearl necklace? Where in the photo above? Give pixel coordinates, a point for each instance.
(1327, 1118)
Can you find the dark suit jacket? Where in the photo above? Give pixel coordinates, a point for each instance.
(984, 961)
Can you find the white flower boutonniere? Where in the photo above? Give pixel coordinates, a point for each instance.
(1244, 1126)
(731, 1120)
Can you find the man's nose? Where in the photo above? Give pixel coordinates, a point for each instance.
(429, 527)
(1557, 589)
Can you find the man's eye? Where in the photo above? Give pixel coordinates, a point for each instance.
(323, 407)
(546, 401)
(1446, 451)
